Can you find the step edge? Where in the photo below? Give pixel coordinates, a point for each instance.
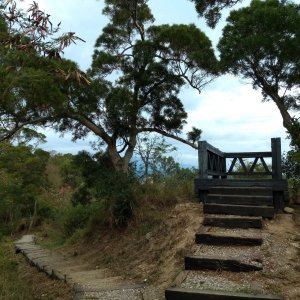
(223, 294)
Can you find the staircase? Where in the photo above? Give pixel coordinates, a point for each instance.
(241, 201)
(228, 247)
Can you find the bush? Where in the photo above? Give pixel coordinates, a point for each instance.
(74, 218)
(291, 168)
(115, 192)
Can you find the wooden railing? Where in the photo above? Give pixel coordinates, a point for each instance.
(213, 162)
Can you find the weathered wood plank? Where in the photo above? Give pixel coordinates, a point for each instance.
(228, 264)
(250, 191)
(191, 294)
(276, 158)
(240, 199)
(215, 239)
(247, 154)
(232, 222)
(277, 185)
(241, 210)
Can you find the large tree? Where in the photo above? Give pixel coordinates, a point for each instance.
(136, 75)
(262, 44)
(135, 80)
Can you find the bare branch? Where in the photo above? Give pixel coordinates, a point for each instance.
(167, 134)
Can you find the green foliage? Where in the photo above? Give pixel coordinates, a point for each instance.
(23, 183)
(258, 168)
(212, 10)
(149, 64)
(194, 135)
(13, 286)
(113, 190)
(34, 80)
(69, 172)
(291, 165)
(291, 169)
(262, 43)
(74, 218)
(150, 149)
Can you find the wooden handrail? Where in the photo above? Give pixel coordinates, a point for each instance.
(212, 161)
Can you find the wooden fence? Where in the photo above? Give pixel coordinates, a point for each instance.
(213, 162)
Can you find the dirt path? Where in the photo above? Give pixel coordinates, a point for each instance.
(86, 282)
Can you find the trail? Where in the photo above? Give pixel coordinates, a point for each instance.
(87, 283)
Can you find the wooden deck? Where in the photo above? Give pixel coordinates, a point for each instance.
(230, 178)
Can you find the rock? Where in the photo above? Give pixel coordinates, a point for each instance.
(296, 245)
(256, 288)
(288, 210)
(149, 236)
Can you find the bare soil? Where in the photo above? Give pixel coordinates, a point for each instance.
(156, 256)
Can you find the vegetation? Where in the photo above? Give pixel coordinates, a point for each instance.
(34, 80)
(261, 43)
(18, 283)
(78, 194)
(130, 100)
(212, 10)
(23, 186)
(10, 286)
(291, 168)
(149, 63)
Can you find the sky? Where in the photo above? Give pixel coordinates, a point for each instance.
(230, 113)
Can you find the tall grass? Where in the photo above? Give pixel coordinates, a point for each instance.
(12, 285)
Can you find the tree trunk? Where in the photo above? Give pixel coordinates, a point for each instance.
(286, 117)
(288, 122)
(116, 159)
(121, 163)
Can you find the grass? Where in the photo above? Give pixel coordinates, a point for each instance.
(12, 286)
(297, 268)
(19, 281)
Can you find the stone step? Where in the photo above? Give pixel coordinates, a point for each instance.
(217, 239)
(191, 294)
(254, 191)
(202, 262)
(241, 210)
(231, 221)
(240, 199)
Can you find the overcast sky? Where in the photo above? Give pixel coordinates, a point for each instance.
(229, 111)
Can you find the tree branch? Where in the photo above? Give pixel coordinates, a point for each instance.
(98, 130)
(9, 133)
(170, 135)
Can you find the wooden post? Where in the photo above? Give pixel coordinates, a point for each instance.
(276, 159)
(278, 196)
(202, 155)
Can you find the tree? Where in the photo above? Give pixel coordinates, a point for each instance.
(23, 182)
(33, 76)
(262, 43)
(136, 75)
(150, 149)
(134, 82)
(211, 10)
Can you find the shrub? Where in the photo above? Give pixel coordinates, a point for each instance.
(115, 191)
(73, 218)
